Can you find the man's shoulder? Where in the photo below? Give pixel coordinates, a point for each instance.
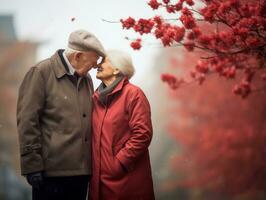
(44, 67)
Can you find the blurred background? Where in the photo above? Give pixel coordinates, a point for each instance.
(208, 144)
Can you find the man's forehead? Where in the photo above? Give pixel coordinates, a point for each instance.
(92, 53)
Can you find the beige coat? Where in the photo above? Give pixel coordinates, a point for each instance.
(54, 121)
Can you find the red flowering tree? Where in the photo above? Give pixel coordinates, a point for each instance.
(222, 138)
(230, 36)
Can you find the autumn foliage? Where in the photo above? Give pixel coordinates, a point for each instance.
(230, 36)
(222, 138)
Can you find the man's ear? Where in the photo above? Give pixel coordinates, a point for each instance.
(116, 71)
(77, 56)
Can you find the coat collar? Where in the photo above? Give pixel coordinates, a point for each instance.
(58, 64)
(118, 88)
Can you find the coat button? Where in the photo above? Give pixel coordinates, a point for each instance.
(84, 115)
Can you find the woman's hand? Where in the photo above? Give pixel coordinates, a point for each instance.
(118, 169)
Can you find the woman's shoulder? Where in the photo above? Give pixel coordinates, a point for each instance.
(134, 90)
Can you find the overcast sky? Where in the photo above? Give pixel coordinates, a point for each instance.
(49, 22)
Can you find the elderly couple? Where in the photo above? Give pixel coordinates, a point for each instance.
(74, 141)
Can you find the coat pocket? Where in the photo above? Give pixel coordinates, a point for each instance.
(64, 150)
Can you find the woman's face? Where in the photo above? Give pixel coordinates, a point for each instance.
(105, 71)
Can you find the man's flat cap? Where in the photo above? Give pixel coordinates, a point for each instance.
(82, 40)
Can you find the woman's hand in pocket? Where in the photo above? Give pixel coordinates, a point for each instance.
(119, 169)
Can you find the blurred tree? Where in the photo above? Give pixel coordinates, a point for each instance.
(15, 59)
(222, 138)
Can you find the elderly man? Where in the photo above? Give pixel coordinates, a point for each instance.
(54, 120)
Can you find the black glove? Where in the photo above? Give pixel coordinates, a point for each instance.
(35, 179)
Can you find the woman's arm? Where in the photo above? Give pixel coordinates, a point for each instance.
(141, 129)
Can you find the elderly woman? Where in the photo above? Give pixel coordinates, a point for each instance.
(122, 132)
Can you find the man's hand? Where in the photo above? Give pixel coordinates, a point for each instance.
(35, 179)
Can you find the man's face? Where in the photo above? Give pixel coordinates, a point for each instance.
(87, 60)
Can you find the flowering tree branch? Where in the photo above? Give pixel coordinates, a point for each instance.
(232, 32)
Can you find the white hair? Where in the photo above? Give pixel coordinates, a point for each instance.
(68, 51)
(122, 61)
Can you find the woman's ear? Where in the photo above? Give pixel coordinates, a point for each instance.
(116, 71)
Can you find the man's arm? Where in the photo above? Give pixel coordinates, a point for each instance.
(31, 100)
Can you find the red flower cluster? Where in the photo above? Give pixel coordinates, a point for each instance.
(189, 45)
(243, 89)
(231, 33)
(169, 34)
(187, 19)
(143, 26)
(172, 81)
(220, 137)
(136, 45)
(128, 23)
(154, 4)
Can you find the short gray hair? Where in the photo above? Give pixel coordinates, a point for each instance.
(122, 61)
(68, 51)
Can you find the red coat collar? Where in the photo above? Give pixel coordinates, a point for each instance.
(119, 87)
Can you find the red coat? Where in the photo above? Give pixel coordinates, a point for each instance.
(122, 132)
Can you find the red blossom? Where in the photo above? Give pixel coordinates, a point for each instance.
(158, 32)
(190, 2)
(172, 81)
(237, 90)
(154, 4)
(197, 32)
(136, 45)
(166, 40)
(186, 11)
(230, 34)
(243, 89)
(178, 6)
(189, 45)
(253, 41)
(158, 21)
(209, 12)
(249, 74)
(143, 26)
(166, 1)
(202, 67)
(224, 7)
(191, 36)
(201, 78)
(229, 72)
(170, 9)
(128, 23)
(205, 40)
(227, 37)
(242, 32)
(178, 33)
(188, 21)
(246, 89)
